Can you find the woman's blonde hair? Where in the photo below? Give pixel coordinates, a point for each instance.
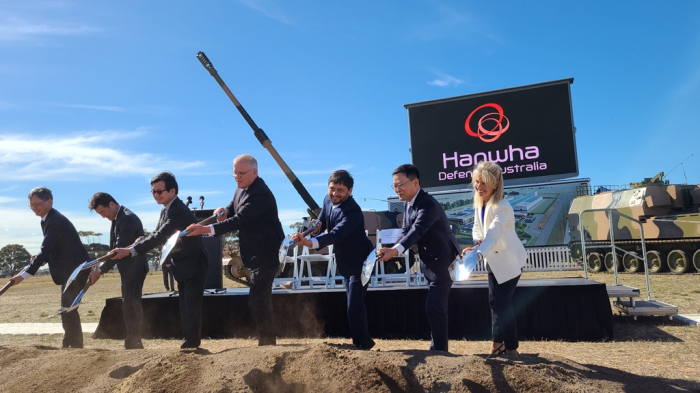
(490, 173)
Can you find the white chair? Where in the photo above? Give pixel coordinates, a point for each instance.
(314, 276)
(389, 237)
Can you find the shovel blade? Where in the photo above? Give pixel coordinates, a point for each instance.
(74, 275)
(368, 267)
(169, 245)
(284, 249)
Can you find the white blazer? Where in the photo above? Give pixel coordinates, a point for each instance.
(500, 246)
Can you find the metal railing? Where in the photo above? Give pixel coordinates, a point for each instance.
(544, 259)
(612, 246)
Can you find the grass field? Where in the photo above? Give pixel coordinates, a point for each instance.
(650, 346)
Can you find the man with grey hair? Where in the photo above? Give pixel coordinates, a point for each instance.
(63, 251)
(253, 212)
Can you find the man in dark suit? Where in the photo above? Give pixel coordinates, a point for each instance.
(189, 255)
(253, 212)
(342, 217)
(63, 251)
(126, 230)
(425, 224)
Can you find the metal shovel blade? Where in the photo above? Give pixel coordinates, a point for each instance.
(462, 268)
(169, 245)
(368, 267)
(284, 249)
(74, 275)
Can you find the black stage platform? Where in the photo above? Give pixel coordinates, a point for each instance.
(553, 309)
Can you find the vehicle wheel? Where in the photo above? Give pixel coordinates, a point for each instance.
(318, 271)
(609, 262)
(595, 262)
(630, 263)
(696, 261)
(390, 267)
(655, 262)
(677, 261)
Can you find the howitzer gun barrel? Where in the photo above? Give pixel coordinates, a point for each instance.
(314, 209)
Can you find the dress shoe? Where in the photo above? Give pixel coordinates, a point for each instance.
(134, 345)
(367, 345)
(190, 344)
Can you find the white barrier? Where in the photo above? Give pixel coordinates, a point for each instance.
(543, 259)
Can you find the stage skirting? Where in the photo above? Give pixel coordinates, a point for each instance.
(553, 309)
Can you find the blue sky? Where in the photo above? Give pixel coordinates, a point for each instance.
(99, 96)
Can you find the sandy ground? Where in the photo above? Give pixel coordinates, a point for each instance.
(301, 366)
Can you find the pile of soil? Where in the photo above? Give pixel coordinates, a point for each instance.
(303, 368)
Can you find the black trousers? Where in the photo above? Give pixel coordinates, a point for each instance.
(70, 321)
(190, 295)
(132, 310)
(260, 303)
(436, 308)
(504, 327)
(357, 312)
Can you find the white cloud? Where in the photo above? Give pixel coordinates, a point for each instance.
(72, 157)
(15, 29)
(4, 199)
(443, 80)
(451, 22)
(269, 9)
(94, 107)
(289, 217)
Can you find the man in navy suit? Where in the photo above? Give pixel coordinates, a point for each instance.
(253, 212)
(342, 217)
(126, 230)
(63, 251)
(425, 224)
(189, 255)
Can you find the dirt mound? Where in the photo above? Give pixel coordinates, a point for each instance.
(303, 368)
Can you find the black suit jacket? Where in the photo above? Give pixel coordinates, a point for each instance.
(254, 215)
(346, 230)
(126, 228)
(426, 224)
(61, 248)
(189, 254)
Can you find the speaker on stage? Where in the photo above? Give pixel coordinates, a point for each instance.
(213, 246)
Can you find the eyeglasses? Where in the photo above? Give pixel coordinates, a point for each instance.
(240, 174)
(158, 192)
(400, 186)
(35, 205)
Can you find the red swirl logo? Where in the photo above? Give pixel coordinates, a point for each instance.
(496, 120)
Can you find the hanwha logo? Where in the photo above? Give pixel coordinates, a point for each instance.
(490, 126)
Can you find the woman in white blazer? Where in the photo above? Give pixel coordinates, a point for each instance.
(502, 251)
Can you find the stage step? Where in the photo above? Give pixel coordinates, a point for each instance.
(635, 308)
(619, 291)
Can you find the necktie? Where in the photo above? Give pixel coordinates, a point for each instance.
(163, 216)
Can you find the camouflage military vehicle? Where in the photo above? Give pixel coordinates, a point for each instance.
(669, 215)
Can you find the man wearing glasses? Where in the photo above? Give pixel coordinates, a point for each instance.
(425, 224)
(189, 255)
(253, 212)
(63, 251)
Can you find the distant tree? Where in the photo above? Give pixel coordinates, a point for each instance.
(152, 255)
(13, 257)
(296, 225)
(89, 237)
(96, 250)
(229, 244)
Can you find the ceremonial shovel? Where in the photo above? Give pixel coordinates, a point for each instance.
(88, 265)
(9, 283)
(170, 244)
(287, 242)
(368, 266)
(76, 303)
(462, 267)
